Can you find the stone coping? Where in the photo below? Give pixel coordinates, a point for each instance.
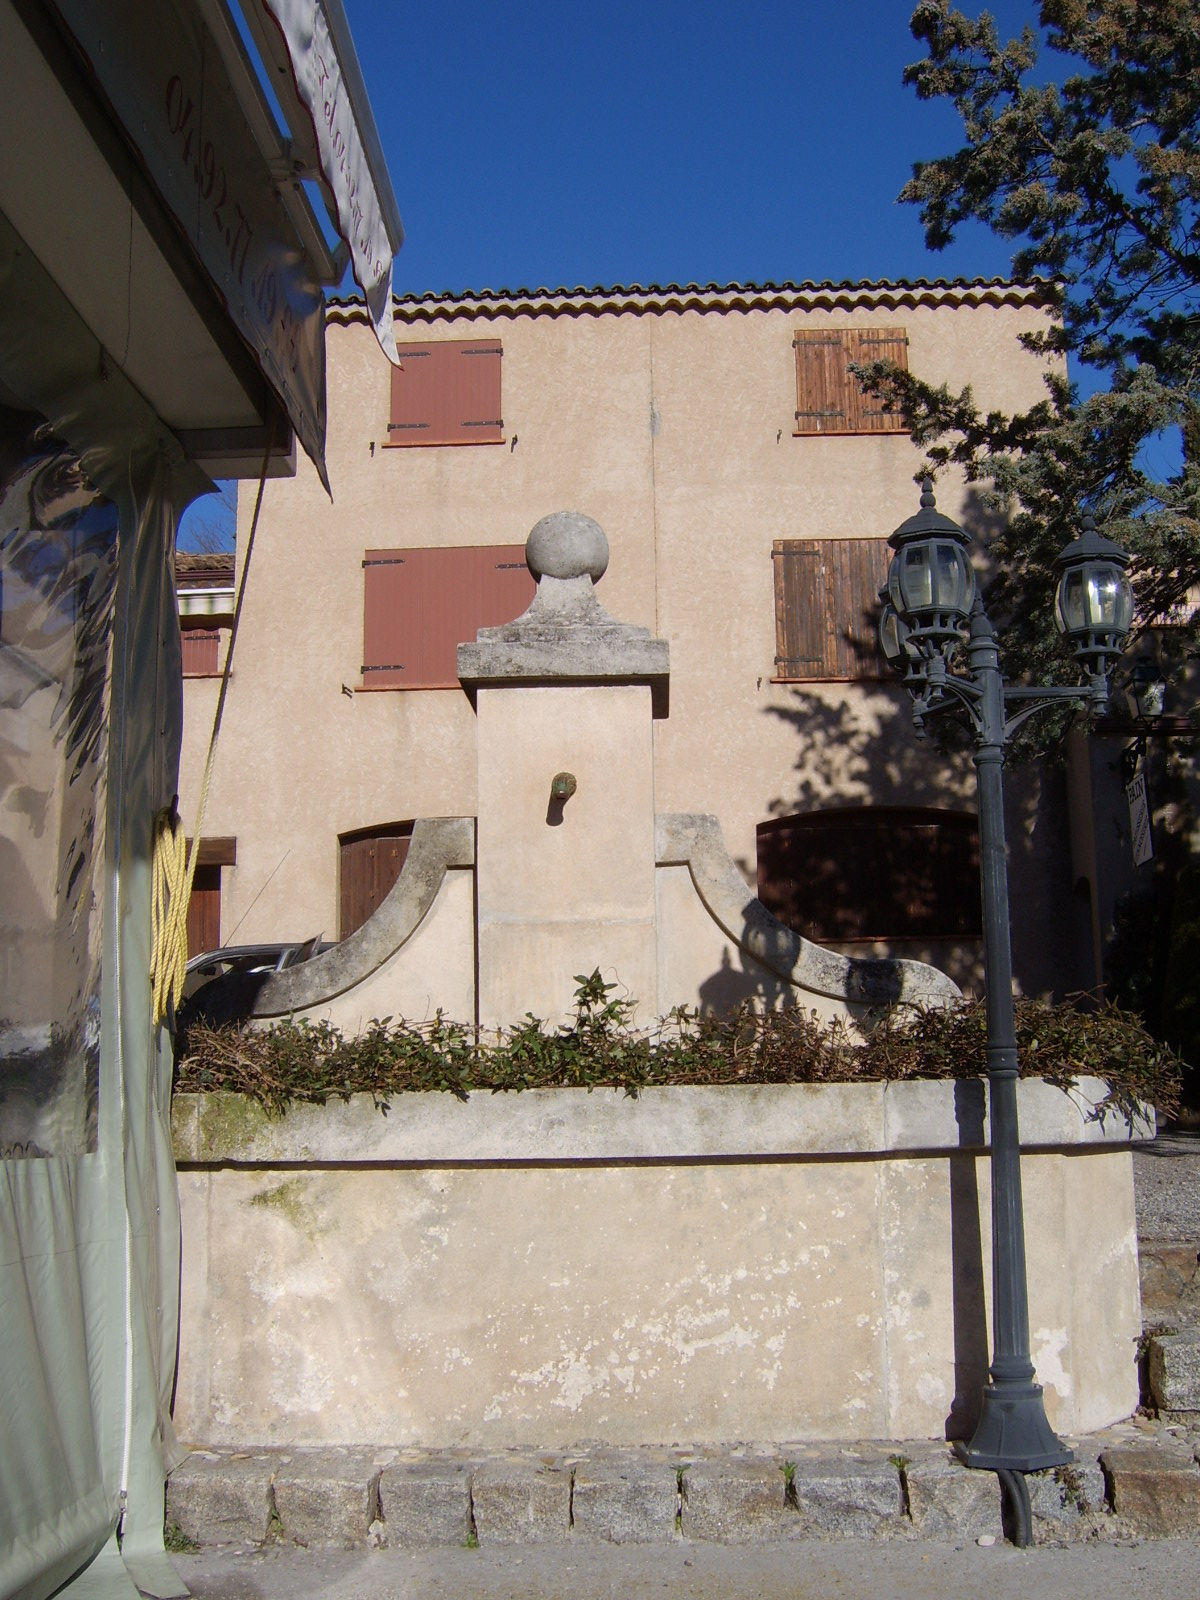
(705, 1123)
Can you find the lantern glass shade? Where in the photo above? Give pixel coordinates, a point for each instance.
(898, 652)
(1094, 598)
(1093, 606)
(932, 578)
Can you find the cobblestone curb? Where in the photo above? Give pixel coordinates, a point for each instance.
(1138, 1479)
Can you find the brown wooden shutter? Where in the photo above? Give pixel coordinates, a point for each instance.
(872, 872)
(827, 608)
(447, 392)
(821, 382)
(369, 862)
(828, 398)
(201, 647)
(420, 605)
(801, 648)
(875, 344)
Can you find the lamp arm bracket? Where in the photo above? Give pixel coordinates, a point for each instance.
(1041, 700)
(938, 698)
(1050, 693)
(964, 689)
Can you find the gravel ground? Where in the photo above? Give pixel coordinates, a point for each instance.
(1166, 1181)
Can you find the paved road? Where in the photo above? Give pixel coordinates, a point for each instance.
(1158, 1570)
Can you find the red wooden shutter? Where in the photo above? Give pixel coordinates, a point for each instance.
(385, 619)
(201, 652)
(828, 398)
(447, 392)
(369, 863)
(859, 570)
(420, 605)
(827, 608)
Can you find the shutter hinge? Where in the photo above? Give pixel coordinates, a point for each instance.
(385, 561)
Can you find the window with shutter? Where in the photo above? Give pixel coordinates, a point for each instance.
(420, 605)
(447, 392)
(873, 872)
(201, 652)
(828, 397)
(827, 609)
(204, 906)
(369, 862)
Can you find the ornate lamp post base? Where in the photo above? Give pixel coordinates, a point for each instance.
(1013, 1438)
(1013, 1433)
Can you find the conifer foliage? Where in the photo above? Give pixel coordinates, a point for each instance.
(1081, 146)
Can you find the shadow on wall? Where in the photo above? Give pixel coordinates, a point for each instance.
(731, 985)
(966, 1255)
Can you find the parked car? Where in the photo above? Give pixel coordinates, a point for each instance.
(249, 959)
(221, 985)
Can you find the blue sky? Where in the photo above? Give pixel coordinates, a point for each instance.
(540, 145)
(534, 145)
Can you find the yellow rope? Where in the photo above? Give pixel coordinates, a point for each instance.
(174, 866)
(169, 879)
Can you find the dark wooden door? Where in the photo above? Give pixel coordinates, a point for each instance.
(370, 864)
(204, 911)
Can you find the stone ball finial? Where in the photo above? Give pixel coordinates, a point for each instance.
(566, 544)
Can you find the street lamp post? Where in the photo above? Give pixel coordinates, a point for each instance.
(929, 603)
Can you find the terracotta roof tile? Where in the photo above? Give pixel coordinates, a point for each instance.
(884, 294)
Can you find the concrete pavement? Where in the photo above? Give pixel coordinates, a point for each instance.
(1163, 1570)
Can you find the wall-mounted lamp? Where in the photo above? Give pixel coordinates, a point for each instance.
(1148, 691)
(1148, 687)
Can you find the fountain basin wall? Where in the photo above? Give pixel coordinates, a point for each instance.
(694, 1265)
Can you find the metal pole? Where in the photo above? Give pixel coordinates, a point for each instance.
(1013, 1435)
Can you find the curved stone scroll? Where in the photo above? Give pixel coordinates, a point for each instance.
(696, 841)
(438, 843)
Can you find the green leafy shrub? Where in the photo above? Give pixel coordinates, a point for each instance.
(598, 1047)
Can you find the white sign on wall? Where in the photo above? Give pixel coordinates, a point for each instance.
(344, 164)
(1139, 818)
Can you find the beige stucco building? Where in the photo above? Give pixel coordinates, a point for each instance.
(744, 487)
